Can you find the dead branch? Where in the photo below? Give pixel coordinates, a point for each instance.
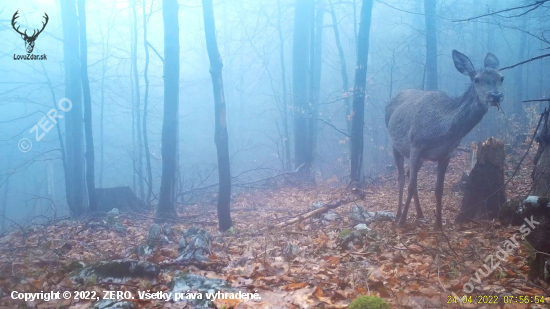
(536, 100)
(199, 265)
(246, 183)
(523, 62)
(535, 4)
(325, 208)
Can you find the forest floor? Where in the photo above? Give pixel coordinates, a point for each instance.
(413, 267)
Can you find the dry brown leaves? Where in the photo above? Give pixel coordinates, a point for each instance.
(410, 268)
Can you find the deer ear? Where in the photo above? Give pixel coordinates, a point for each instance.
(491, 61)
(463, 64)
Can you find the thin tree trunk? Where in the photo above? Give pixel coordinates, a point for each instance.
(74, 122)
(355, 23)
(221, 136)
(300, 63)
(315, 72)
(5, 200)
(517, 105)
(431, 44)
(343, 68)
(139, 132)
(105, 52)
(166, 206)
(89, 154)
(145, 106)
(132, 104)
(101, 115)
(283, 78)
(58, 129)
(359, 92)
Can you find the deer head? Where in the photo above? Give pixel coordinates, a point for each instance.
(487, 81)
(29, 40)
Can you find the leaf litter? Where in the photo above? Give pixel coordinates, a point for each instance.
(302, 265)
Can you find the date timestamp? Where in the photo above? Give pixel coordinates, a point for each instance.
(495, 299)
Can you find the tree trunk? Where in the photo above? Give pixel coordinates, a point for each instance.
(518, 109)
(139, 132)
(89, 154)
(431, 44)
(66, 176)
(101, 115)
(145, 106)
(283, 78)
(166, 206)
(74, 121)
(221, 136)
(359, 92)
(316, 52)
(300, 69)
(343, 68)
(5, 200)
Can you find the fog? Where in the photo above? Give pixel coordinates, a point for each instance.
(256, 43)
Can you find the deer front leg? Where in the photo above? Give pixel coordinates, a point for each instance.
(399, 162)
(441, 170)
(419, 214)
(415, 164)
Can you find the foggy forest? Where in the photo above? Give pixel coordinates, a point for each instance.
(266, 154)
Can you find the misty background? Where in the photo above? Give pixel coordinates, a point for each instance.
(249, 33)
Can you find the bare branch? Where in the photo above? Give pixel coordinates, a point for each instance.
(523, 62)
(531, 7)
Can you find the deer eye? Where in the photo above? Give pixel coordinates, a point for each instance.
(476, 80)
(502, 79)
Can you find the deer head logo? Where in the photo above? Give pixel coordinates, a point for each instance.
(29, 40)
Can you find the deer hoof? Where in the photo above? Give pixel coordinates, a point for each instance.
(401, 222)
(397, 217)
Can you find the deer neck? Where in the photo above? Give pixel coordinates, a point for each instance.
(469, 113)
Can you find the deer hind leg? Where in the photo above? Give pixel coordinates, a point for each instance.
(415, 164)
(399, 162)
(441, 170)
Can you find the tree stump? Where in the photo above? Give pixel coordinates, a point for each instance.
(484, 191)
(122, 198)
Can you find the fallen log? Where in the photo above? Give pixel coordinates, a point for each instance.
(325, 208)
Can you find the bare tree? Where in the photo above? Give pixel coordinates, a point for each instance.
(316, 53)
(145, 107)
(137, 106)
(89, 154)
(74, 121)
(343, 69)
(431, 44)
(303, 154)
(221, 137)
(359, 93)
(166, 206)
(285, 94)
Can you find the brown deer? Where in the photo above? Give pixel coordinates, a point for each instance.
(29, 40)
(429, 125)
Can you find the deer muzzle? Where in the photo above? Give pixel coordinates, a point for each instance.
(495, 98)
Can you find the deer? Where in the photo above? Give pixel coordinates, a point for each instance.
(29, 40)
(429, 125)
